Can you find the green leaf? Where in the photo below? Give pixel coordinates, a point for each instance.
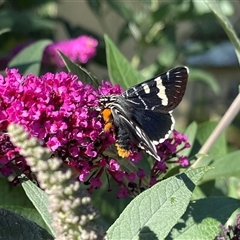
(203, 218)
(205, 77)
(162, 12)
(123, 33)
(191, 133)
(219, 149)
(153, 213)
(226, 166)
(206, 159)
(40, 201)
(14, 226)
(120, 70)
(217, 187)
(4, 30)
(122, 8)
(167, 56)
(226, 24)
(14, 199)
(25, 21)
(28, 213)
(198, 193)
(233, 186)
(30, 58)
(13, 195)
(81, 72)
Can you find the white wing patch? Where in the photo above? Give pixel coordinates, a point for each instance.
(162, 91)
(146, 88)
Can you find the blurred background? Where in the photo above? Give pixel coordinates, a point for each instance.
(153, 35)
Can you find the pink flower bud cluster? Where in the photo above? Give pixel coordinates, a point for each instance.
(79, 50)
(63, 114)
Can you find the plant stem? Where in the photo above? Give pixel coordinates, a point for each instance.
(222, 125)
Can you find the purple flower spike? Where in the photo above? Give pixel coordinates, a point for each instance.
(63, 113)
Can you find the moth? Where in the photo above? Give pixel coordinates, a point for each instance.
(143, 113)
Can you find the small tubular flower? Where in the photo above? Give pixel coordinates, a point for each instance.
(63, 113)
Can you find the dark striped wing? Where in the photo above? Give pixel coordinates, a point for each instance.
(161, 93)
(131, 130)
(156, 125)
(142, 113)
(146, 128)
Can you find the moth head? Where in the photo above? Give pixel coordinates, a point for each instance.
(106, 101)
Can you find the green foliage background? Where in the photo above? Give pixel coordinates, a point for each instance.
(214, 187)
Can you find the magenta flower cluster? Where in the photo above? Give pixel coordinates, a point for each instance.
(78, 50)
(62, 113)
(230, 232)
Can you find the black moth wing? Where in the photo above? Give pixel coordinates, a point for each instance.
(142, 113)
(161, 93)
(156, 125)
(130, 130)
